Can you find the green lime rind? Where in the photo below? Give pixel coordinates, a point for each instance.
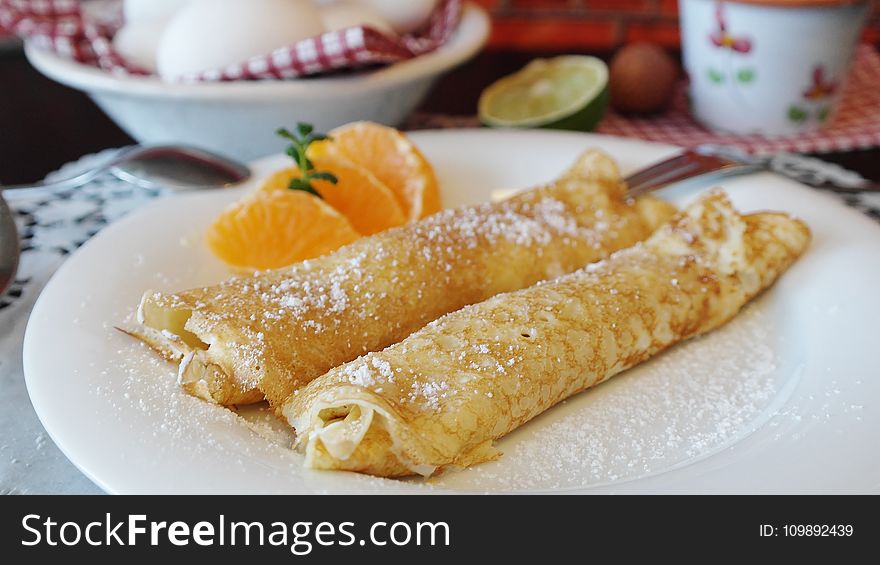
(580, 113)
(585, 119)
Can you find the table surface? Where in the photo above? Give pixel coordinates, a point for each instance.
(45, 125)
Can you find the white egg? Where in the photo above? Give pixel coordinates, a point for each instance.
(136, 11)
(404, 16)
(347, 14)
(138, 42)
(209, 34)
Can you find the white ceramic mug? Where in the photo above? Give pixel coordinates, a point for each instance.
(772, 67)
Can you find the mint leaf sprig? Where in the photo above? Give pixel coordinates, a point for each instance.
(305, 135)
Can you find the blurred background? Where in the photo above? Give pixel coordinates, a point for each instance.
(595, 25)
(45, 124)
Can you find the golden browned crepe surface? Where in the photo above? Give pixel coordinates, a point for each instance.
(444, 394)
(272, 333)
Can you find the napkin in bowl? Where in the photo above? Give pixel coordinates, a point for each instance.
(71, 29)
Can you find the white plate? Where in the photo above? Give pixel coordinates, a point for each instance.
(784, 399)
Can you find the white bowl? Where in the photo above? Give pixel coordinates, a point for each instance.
(239, 119)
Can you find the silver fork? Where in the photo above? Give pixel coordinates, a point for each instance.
(724, 161)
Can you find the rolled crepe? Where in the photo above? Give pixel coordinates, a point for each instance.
(271, 333)
(444, 394)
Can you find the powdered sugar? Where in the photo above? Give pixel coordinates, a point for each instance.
(348, 299)
(528, 225)
(428, 393)
(384, 368)
(302, 295)
(682, 405)
(368, 371)
(360, 375)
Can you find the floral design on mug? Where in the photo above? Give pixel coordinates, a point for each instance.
(723, 39)
(745, 75)
(797, 114)
(820, 89)
(715, 76)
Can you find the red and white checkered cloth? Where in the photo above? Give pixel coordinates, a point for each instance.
(70, 28)
(856, 125)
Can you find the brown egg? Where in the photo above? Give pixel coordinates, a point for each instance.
(642, 77)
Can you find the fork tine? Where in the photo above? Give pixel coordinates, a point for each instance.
(663, 167)
(685, 171)
(688, 164)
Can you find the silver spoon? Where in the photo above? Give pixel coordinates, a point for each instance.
(9, 247)
(179, 167)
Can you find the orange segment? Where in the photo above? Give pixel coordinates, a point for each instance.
(392, 158)
(368, 204)
(274, 229)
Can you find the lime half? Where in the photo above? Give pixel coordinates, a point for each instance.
(567, 92)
